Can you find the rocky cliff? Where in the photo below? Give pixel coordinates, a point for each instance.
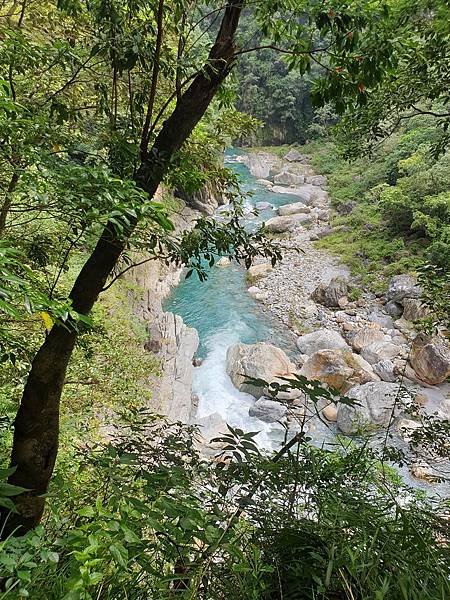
(173, 342)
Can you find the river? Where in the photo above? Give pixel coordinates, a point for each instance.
(224, 314)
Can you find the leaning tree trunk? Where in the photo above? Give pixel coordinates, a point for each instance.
(36, 426)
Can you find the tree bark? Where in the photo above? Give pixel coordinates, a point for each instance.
(4, 210)
(36, 426)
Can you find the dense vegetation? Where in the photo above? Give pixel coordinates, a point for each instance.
(393, 208)
(101, 104)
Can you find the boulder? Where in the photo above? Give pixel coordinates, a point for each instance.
(321, 214)
(319, 180)
(393, 309)
(422, 470)
(295, 156)
(293, 209)
(330, 413)
(223, 262)
(328, 367)
(406, 328)
(211, 426)
(320, 199)
(258, 361)
(302, 192)
(430, 358)
(362, 370)
(259, 270)
(381, 350)
(414, 309)
(402, 286)
(260, 164)
(339, 369)
(376, 401)
(265, 182)
(263, 206)
(327, 230)
(329, 294)
(267, 410)
(322, 339)
(287, 178)
(385, 370)
(364, 337)
(407, 427)
(286, 224)
(346, 208)
(381, 318)
(421, 399)
(258, 294)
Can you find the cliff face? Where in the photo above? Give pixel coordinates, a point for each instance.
(205, 200)
(169, 338)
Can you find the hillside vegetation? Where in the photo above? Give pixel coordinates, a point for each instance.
(393, 207)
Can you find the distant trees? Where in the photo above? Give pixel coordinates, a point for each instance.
(279, 98)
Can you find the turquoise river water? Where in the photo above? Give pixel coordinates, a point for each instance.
(224, 314)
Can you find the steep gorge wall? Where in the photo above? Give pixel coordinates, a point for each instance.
(169, 338)
(205, 200)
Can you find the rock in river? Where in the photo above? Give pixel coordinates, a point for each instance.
(267, 410)
(257, 361)
(224, 261)
(263, 206)
(287, 178)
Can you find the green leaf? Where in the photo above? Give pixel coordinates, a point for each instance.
(8, 490)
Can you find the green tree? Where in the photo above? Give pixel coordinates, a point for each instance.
(416, 80)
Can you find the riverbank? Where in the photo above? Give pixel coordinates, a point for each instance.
(313, 294)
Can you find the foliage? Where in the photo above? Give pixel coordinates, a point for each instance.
(85, 89)
(311, 523)
(392, 207)
(415, 80)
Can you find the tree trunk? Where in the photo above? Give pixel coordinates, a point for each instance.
(4, 210)
(36, 426)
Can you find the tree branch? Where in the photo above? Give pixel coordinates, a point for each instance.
(154, 82)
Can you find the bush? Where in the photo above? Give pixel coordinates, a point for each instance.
(164, 522)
